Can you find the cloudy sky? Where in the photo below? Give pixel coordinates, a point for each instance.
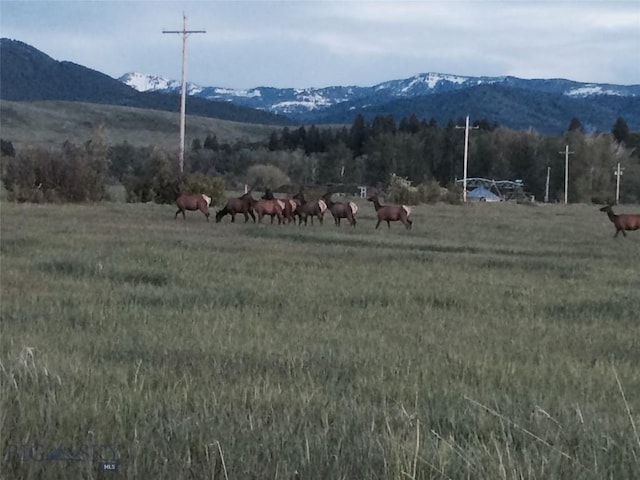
(319, 43)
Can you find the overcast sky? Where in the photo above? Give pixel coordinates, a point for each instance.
(319, 43)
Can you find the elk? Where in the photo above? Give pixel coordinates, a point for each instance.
(391, 213)
(629, 221)
(243, 204)
(309, 209)
(341, 210)
(269, 207)
(288, 205)
(193, 201)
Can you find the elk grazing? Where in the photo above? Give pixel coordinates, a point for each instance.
(309, 209)
(243, 204)
(341, 210)
(391, 213)
(622, 222)
(193, 201)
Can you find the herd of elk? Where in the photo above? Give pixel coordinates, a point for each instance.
(622, 222)
(287, 209)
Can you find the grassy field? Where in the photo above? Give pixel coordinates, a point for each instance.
(489, 342)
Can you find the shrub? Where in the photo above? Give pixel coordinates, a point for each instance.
(263, 176)
(207, 184)
(401, 191)
(71, 174)
(430, 192)
(454, 194)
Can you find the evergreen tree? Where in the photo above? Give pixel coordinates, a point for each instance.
(358, 135)
(620, 130)
(6, 148)
(575, 125)
(274, 142)
(211, 143)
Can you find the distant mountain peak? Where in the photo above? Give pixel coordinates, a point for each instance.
(143, 82)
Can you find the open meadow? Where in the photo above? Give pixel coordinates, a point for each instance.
(488, 342)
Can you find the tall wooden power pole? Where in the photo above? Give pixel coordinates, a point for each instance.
(183, 98)
(618, 172)
(566, 173)
(466, 157)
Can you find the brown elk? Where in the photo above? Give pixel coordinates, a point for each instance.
(308, 210)
(269, 207)
(629, 221)
(288, 206)
(341, 210)
(243, 204)
(391, 213)
(290, 210)
(192, 202)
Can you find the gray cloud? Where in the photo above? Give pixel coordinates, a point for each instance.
(322, 43)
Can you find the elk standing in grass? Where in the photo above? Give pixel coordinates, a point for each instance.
(622, 222)
(243, 204)
(271, 208)
(309, 209)
(341, 210)
(391, 213)
(192, 202)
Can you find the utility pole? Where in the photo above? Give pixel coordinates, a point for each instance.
(546, 190)
(617, 172)
(185, 33)
(566, 173)
(466, 156)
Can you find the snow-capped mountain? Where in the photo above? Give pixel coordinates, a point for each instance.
(545, 105)
(309, 104)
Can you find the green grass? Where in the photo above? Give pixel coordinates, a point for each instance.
(489, 342)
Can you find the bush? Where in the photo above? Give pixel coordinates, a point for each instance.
(209, 185)
(263, 176)
(430, 192)
(401, 191)
(70, 174)
(152, 176)
(454, 194)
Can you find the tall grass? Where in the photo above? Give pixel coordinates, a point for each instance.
(491, 341)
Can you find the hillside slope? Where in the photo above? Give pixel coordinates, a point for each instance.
(51, 123)
(27, 74)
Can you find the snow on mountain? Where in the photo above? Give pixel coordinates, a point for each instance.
(152, 83)
(298, 103)
(588, 90)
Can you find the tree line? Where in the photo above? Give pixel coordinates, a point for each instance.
(364, 153)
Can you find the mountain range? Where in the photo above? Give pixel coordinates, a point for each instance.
(545, 105)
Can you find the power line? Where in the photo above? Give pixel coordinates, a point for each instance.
(185, 33)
